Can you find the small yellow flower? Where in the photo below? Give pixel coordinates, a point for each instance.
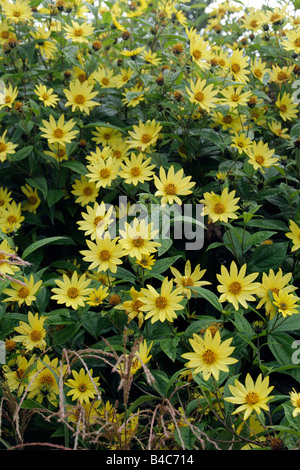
(32, 334)
(294, 235)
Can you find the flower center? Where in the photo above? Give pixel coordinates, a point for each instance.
(209, 356)
(146, 138)
(161, 302)
(138, 242)
(46, 379)
(275, 290)
(187, 281)
(45, 97)
(136, 304)
(82, 77)
(79, 99)
(282, 76)
(35, 335)
(23, 292)
(283, 108)
(252, 398)
(104, 255)
(197, 54)
(219, 208)
(2, 147)
(7, 99)
(254, 24)
(235, 68)
(32, 200)
(104, 173)
(297, 42)
(135, 171)
(82, 388)
(259, 159)
(58, 133)
(235, 97)
(97, 220)
(78, 32)
(170, 189)
(199, 96)
(227, 119)
(11, 219)
(88, 191)
(72, 292)
(105, 81)
(258, 73)
(117, 154)
(16, 13)
(235, 287)
(5, 34)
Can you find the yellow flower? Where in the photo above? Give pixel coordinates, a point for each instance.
(84, 387)
(71, 291)
(80, 96)
(281, 75)
(18, 373)
(32, 334)
(291, 41)
(10, 95)
(220, 207)
(151, 57)
(238, 66)
(234, 97)
(136, 239)
(103, 172)
(46, 95)
(79, 32)
(259, 69)
(105, 254)
(287, 108)
(105, 78)
(200, 52)
(172, 185)
(46, 47)
(260, 156)
(142, 354)
(241, 142)
(286, 303)
(144, 135)
(17, 12)
(24, 292)
(146, 261)
(5, 198)
(189, 278)
(11, 218)
(57, 151)
(7, 254)
(45, 380)
(133, 307)
(134, 95)
(277, 129)
(210, 355)
(106, 136)
(97, 296)
(203, 96)
(294, 235)
(135, 170)
(295, 400)
(124, 76)
(161, 306)
(85, 190)
(96, 220)
(58, 132)
(235, 287)
(253, 396)
(6, 148)
(33, 201)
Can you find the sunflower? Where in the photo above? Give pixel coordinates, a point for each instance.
(203, 96)
(233, 97)
(220, 207)
(146, 261)
(294, 235)
(235, 287)
(105, 254)
(137, 238)
(6, 147)
(33, 201)
(106, 136)
(46, 95)
(58, 132)
(85, 191)
(281, 75)
(45, 380)
(259, 69)
(295, 401)
(124, 76)
(103, 172)
(23, 292)
(97, 296)
(11, 217)
(253, 396)
(18, 373)
(238, 66)
(10, 96)
(79, 32)
(96, 220)
(71, 291)
(136, 170)
(241, 142)
(142, 356)
(18, 12)
(133, 307)
(144, 135)
(32, 334)
(276, 128)
(200, 52)
(260, 156)
(105, 78)
(189, 279)
(274, 283)
(7, 265)
(84, 387)
(58, 152)
(287, 108)
(286, 303)
(172, 185)
(80, 96)
(161, 306)
(210, 355)
(291, 41)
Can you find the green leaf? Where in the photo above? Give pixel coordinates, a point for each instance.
(169, 347)
(281, 346)
(258, 237)
(267, 257)
(21, 153)
(39, 182)
(208, 295)
(59, 240)
(77, 167)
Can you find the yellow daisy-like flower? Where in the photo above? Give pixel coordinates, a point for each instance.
(277, 129)
(238, 66)
(287, 304)
(161, 306)
(33, 201)
(281, 75)
(11, 217)
(97, 296)
(58, 132)
(124, 76)
(235, 287)
(146, 261)
(287, 108)
(8, 97)
(274, 283)
(253, 396)
(17, 12)
(119, 149)
(136, 170)
(45, 380)
(151, 57)
(5, 197)
(99, 154)
(22, 293)
(46, 95)
(200, 52)
(18, 373)
(291, 40)
(144, 135)
(294, 235)
(260, 156)
(6, 147)
(71, 291)
(202, 95)
(137, 238)
(32, 334)
(7, 265)
(134, 95)
(233, 96)
(241, 142)
(80, 96)
(96, 220)
(105, 78)
(295, 400)
(142, 354)
(210, 355)
(106, 136)
(84, 387)
(85, 191)
(103, 172)
(44, 44)
(220, 207)
(259, 69)
(58, 152)
(79, 32)
(172, 185)
(189, 278)
(105, 254)
(133, 307)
